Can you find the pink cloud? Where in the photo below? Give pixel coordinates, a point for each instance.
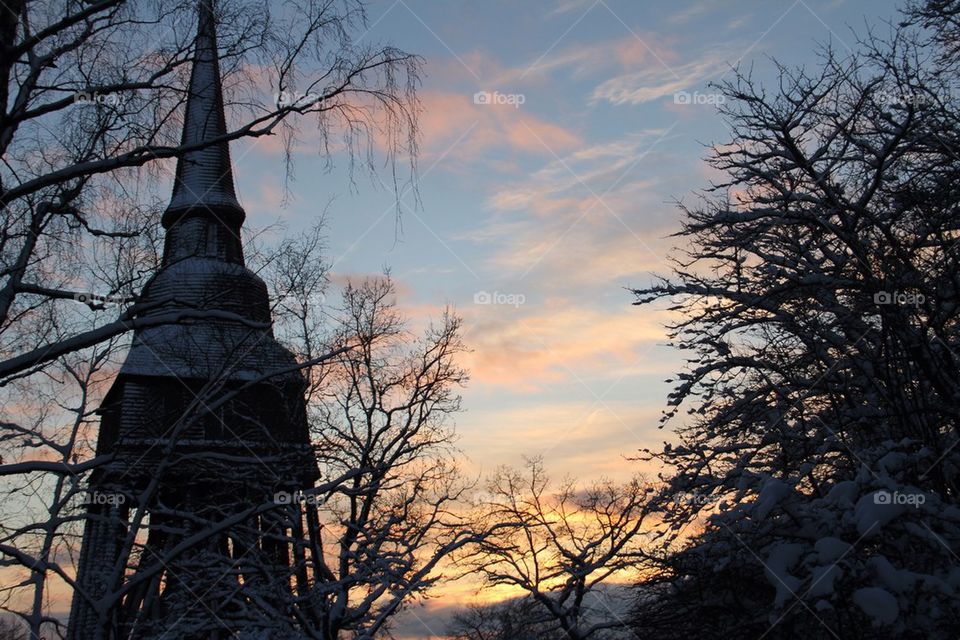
(632, 51)
(575, 435)
(528, 350)
(451, 123)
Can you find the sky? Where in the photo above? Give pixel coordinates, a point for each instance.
(557, 136)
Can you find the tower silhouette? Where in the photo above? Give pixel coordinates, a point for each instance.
(203, 425)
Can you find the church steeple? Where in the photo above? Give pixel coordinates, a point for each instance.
(205, 421)
(203, 186)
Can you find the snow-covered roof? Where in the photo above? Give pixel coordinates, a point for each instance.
(203, 267)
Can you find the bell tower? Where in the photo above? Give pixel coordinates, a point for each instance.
(203, 425)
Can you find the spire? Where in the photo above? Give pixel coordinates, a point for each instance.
(204, 179)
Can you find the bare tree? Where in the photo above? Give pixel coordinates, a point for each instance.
(515, 619)
(571, 551)
(384, 409)
(818, 300)
(94, 94)
(943, 18)
(380, 523)
(11, 629)
(91, 117)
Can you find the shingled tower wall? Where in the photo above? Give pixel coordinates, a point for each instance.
(205, 421)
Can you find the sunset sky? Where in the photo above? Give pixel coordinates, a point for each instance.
(555, 200)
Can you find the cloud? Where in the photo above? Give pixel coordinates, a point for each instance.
(588, 439)
(582, 60)
(659, 80)
(586, 218)
(695, 10)
(529, 348)
(566, 6)
(453, 124)
(574, 60)
(580, 254)
(591, 171)
(267, 201)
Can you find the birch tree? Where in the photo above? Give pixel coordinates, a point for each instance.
(90, 125)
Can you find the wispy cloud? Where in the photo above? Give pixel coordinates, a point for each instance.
(531, 348)
(566, 6)
(692, 12)
(575, 434)
(581, 60)
(545, 225)
(500, 127)
(586, 171)
(657, 81)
